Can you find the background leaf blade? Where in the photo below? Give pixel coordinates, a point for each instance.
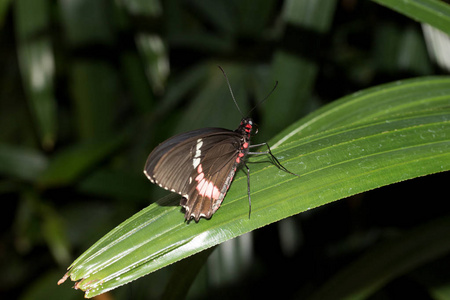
(433, 12)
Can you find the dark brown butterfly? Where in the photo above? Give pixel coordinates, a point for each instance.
(200, 165)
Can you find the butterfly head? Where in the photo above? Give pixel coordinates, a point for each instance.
(247, 127)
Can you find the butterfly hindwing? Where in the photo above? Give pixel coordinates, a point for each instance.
(211, 180)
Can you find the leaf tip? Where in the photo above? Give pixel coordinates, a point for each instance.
(63, 279)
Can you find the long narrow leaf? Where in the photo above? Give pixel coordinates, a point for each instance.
(35, 56)
(387, 261)
(370, 139)
(20, 162)
(434, 12)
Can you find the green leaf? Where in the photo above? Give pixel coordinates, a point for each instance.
(36, 61)
(116, 184)
(433, 12)
(21, 162)
(306, 22)
(372, 138)
(95, 89)
(4, 5)
(87, 22)
(387, 261)
(70, 163)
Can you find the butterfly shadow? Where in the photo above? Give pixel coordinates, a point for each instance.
(172, 200)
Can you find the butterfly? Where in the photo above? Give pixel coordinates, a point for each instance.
(200, 164)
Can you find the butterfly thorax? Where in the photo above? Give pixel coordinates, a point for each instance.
(245, 131)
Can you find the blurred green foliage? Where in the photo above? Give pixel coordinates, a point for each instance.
(88, 88)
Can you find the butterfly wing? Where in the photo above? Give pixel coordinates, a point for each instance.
(199, 165)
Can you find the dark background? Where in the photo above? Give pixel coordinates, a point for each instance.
(112, 79)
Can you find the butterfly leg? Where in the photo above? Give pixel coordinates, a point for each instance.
(275, 160)
(248, 191)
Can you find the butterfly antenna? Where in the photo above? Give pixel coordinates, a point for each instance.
(263, 100)
(231, 91)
